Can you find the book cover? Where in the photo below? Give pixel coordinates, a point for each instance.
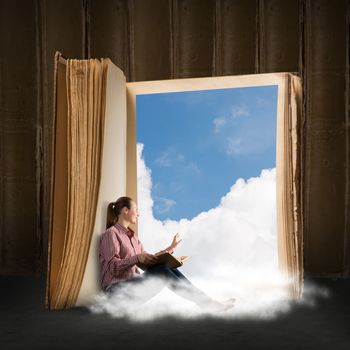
(172, 261)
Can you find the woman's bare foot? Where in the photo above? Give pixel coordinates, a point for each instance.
(217, 306)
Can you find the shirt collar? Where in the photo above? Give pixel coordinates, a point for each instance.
(128, 231)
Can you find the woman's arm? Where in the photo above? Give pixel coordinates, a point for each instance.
(176, 240)
(145, 259)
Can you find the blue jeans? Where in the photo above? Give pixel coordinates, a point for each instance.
(165, 276)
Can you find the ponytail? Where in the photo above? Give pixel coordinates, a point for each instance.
(115, 208)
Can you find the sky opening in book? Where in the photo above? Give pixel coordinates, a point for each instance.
(197, 144)
(206, 168)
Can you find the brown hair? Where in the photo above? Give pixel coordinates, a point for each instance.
(115, 208)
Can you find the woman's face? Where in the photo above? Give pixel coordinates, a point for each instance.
(132, 214)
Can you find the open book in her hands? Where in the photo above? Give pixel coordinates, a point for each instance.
(172, 261)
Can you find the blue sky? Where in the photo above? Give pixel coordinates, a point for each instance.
(198, 143)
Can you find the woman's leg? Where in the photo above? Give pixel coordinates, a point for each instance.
(178, 283)
(137, 289)
(187, 290)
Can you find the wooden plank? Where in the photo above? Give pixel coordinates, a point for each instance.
(279, 36)
(235, 42)
(347, 125)
(19, 207)
(325, 157)
(325, 215)
(19, 235)
(327, 98)
(151, 39)
(193, 38)
(19, 152)
(109, 32)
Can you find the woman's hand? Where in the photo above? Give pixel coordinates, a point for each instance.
(176, 240)
(147, 259)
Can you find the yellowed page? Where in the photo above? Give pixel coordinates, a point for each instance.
(113, 175)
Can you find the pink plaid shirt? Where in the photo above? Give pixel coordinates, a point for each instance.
(118, 251)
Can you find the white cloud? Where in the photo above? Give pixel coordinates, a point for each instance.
(219, 123)
(234, 146)
(233, 250)
(163, 205)
(193, 168)
(164, 160)
(238, 111)
(229, 120)
(168, 158)
(171, 158)
(238, 134)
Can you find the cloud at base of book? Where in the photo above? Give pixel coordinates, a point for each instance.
(251, 304)
(233, 250)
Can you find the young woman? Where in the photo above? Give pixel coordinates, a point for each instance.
(121, 254)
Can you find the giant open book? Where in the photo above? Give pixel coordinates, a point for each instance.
(94, 162)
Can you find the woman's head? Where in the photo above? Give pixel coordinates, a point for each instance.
(123, 208)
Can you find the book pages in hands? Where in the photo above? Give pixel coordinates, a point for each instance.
(170, 260)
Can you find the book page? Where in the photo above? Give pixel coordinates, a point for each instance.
(113, 174)
(183, 258)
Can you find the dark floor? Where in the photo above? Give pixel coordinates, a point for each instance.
(25, 323)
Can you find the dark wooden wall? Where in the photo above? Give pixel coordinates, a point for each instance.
(163, 39)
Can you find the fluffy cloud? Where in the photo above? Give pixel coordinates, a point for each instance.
(164, 204)
(219, 123)
(238, 234)
(233, 250)
(233, 247)
(234, 146)
(235, 113)
(168, 158)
